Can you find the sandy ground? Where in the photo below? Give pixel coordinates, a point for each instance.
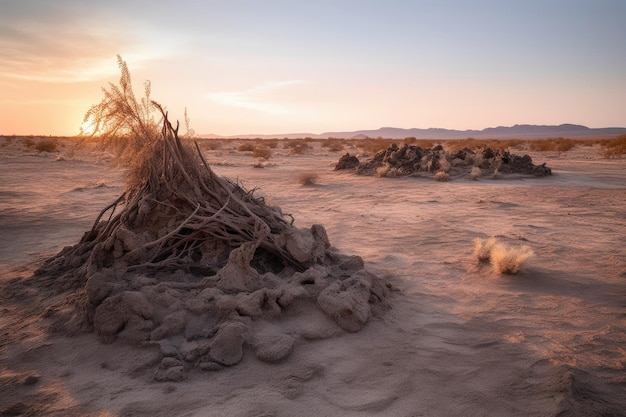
(459, 339)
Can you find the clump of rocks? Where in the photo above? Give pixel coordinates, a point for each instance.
(411, 160)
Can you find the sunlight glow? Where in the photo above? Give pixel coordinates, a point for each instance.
(87, 128)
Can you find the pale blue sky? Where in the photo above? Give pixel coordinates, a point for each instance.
(289, 66)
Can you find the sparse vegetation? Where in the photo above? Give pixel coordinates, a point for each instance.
(373, 145)
(509, 260)
(482, 250)
(333, 145)
(442, 176)
(308, 178)
(47, 146)
(297, 146)
(504, 259)
(126, 125)
(559, 145)
(264, 153)
(615, 148)
(246, 147)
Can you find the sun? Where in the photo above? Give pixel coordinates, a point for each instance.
(87, 128)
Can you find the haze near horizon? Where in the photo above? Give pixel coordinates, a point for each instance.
(278, 66)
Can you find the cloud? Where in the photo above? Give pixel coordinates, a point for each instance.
(69, 42)
(256, 98)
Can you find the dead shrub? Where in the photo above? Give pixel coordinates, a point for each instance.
(211, 145)
(308, 178)
(509, 260)
(504, 259)
(47, 146)
(246, 147)
(482, 250)
(615, 148)
(333, 145)
(442, 176)
(262, 153)
(373, 145)
(297, 148)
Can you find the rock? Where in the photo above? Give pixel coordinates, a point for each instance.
(237, 275)
(348, 307)
(347, 161)
(173, 323)
(173, 374)
(300, 244)
(31, 379)
(170, 370)
(227, 345)
(274, 347)
(412, 160)
(114, 312)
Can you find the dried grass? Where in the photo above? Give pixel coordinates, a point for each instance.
(509, 260)
(264, 153)
(615, 148)
(47, 146)
(482, 250)
(504, 259)
(308, 178)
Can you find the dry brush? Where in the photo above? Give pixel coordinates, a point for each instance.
(189, 261)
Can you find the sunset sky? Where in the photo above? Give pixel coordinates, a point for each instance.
(243, 66)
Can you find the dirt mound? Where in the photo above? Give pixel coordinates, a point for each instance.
(195, 264)
(411, 160)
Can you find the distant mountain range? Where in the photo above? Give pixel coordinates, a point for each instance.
(500, 132)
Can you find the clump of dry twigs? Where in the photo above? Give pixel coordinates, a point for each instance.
(173, 203)
(184, 252)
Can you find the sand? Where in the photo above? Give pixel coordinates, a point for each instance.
(458, 339)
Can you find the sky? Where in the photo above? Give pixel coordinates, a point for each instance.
(287, 66)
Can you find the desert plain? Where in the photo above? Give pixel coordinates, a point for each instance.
(455, 337)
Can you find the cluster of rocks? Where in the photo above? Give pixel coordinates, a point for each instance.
(413, 160)
(208, 322)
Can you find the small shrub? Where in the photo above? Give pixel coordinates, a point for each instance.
(373, 145)
(298, 149)
(273, 143)
(246, 147)
(333, 145)
(615, 148)
(482, 251)
(297, 146)
(308, 178)
(442, 176)
(504, 259)
(29, 143)
(46, 146)
(211, 145)
(262, 153)
(509, 260)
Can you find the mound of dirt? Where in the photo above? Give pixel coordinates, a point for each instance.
(413, 160)
(193, 263)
